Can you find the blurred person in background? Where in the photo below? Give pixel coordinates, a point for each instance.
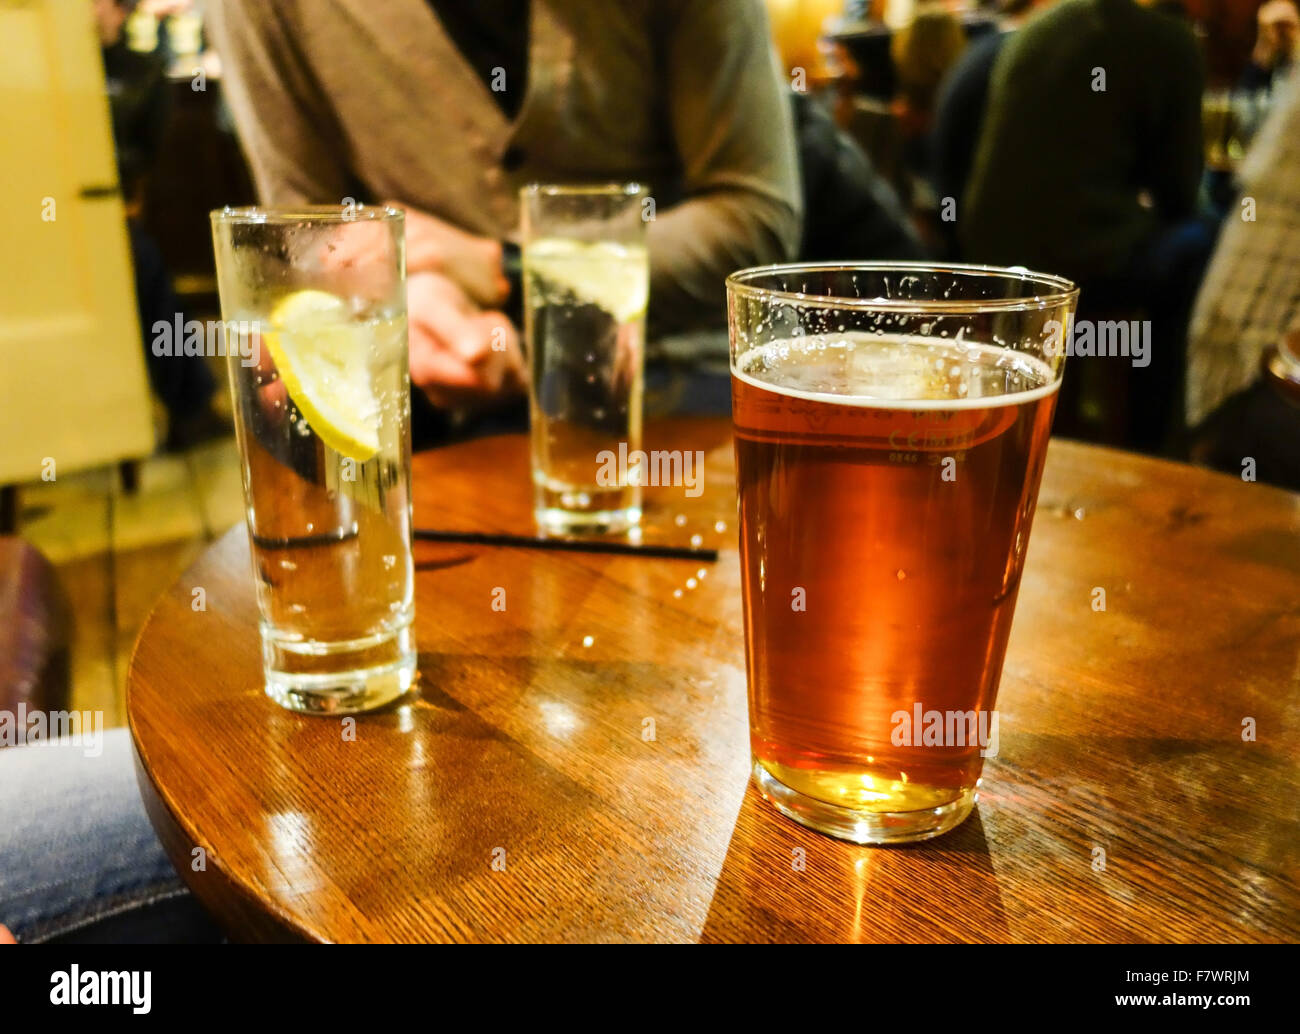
(851, 212)
(139, 104)
(1089, 166)
(1277, 43)
(959, 110)
(1250, 302)
(923, 51)
(447, 109)
(137, 95)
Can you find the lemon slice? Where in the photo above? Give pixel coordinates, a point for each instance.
(322, 358)
(612, 276)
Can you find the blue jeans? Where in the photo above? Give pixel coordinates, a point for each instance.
(79, 861)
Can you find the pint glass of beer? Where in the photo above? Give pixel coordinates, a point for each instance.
(891, 423)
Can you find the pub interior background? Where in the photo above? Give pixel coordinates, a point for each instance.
(904, 116)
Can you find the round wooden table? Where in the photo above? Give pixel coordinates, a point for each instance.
(575, 766)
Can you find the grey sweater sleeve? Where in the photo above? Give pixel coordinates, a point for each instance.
(733, 128)
(287, 127)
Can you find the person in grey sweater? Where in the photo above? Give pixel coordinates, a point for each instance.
(448, 108)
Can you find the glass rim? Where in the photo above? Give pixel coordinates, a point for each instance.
(609, 189)
(286, 215)
(1054, 290)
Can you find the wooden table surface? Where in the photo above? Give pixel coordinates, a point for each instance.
(519, 797)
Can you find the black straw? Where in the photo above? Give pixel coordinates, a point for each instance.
(478, 538)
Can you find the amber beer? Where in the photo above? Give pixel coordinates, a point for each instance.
(887, 483)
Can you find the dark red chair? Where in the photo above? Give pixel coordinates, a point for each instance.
(34, 627)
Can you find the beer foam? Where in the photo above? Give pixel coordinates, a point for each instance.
(907, 372)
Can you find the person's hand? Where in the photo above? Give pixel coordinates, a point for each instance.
(6, 937)
(461, 356)
(1279, 31)
(358, 259)
(473, 263)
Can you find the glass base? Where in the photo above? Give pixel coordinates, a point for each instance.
(554, 521)
(858, 825)
(339, 678)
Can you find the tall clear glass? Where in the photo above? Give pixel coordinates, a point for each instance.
(314, 305)
(586, 285)
(891, 423)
